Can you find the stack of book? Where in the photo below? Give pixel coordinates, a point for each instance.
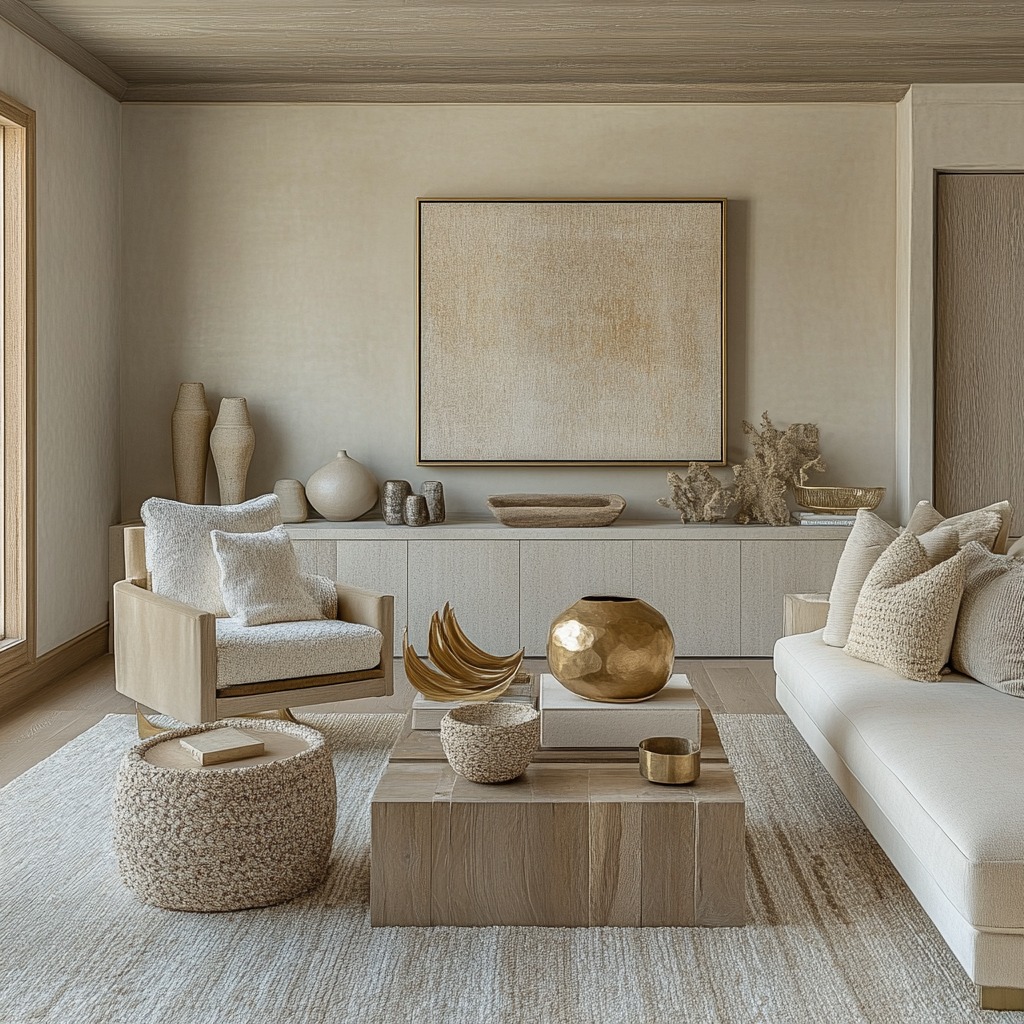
(427, 714)
(802, 518)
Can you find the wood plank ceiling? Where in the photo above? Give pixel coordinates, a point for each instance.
(540, 49)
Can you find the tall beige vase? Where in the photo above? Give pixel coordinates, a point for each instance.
(342, 490)
(190, 442)
(232, 442)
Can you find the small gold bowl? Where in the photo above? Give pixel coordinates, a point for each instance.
(841, 500)
(669, 760)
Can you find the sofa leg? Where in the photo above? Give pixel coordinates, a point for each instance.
(995, 997)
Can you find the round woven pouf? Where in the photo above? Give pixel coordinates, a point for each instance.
(228, 836)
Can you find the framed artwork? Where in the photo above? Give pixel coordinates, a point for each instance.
(571, 331)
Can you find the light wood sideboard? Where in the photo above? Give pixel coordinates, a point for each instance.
(721, 587)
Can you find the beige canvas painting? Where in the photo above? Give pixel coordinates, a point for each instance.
(571, 331)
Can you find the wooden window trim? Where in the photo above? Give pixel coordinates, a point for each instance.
(18, 648)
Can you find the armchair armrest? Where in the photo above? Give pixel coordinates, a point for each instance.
(371, 609)
(165, 654)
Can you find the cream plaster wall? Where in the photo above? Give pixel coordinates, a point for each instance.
(78, 174)
(269, 251)
(951, 128)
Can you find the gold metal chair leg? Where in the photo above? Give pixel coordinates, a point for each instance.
(284, 714)
(146, 727)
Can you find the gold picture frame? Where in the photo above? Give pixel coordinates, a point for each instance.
(571, 331)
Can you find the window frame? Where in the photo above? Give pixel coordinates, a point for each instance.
(17, 415)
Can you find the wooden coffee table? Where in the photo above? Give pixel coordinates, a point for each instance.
(581, 839)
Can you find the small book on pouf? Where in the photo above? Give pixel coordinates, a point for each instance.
(220, 745)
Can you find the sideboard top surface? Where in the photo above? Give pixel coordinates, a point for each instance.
(636, 529)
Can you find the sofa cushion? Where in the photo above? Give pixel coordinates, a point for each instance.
(970, 525)
(941, 760)
(285, 650)
(989, 639)
(259, 578)
(324, 592)
(179, 552)
(906, 612)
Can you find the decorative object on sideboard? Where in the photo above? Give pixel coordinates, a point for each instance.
(392, 501)
(489, 743)
(838, 500)
(415, 511)
(669, 760)
(781, 459)
(190, 442)
(342, 490)
(464, 671)
(232, 442)
(699, 497)
(556, 510)
(433, 491)
(292, 496)
(611, 649)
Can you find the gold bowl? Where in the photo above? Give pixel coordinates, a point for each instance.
(669, 760)
(838, 499)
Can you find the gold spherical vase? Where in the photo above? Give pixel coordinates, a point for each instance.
(612, 649)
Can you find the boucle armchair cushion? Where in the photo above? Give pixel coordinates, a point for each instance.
(907, 609)
(259, 578)
(869, 537)
(324, 592)
(179, 552)
(989, 639)
(288, 650)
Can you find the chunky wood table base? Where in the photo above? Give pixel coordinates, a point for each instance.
(567, 844)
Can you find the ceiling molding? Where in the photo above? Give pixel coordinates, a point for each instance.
(561, 92)
(37, 28)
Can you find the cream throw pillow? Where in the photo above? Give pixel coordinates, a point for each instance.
(906, 614)
(260, 579)
(179, 554)
(1017, 551)
(868, 539)
(989, 640)
(970, 525)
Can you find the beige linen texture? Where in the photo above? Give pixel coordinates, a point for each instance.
(906, 613)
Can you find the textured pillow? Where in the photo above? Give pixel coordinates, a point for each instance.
(324, 592)
(977, 525)
(179, 554)
(869, 537)
(1017, 551)
(260, 578)
(906, 612)
(989, 640)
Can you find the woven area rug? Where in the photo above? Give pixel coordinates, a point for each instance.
(834, 935)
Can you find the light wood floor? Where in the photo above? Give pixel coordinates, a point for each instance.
(49, 719)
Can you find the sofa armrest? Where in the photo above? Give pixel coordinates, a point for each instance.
(165, 654)
(372, 609)
(804, 613)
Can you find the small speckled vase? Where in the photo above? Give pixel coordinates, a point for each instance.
(416, 510)
(393, 501)
(433, 491)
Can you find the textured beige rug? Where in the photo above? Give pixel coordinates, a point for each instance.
(834, 935)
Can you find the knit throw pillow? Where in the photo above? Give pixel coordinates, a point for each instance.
(260, 579)
(989, 640)
(906, 612)
(179, 553)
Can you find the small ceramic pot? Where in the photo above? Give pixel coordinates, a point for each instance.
(433, 491)
(415, 512)
(393, 501)
(490, 742)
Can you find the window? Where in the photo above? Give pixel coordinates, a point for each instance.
(17, 405)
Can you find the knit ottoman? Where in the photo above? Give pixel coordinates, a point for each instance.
(227, 836)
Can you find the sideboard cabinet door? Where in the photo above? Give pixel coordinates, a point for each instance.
(481, 580)
(770, 569)
(695, 584)
(557, 573)
(379, 565)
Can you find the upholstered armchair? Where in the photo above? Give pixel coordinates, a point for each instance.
(195, 666)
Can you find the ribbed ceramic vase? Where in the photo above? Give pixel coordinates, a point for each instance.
(612, 649)
(190, 442)
(342, 490)
(292, 496)
(232, 442)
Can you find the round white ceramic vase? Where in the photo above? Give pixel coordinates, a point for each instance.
(342, 490)
(232, 443)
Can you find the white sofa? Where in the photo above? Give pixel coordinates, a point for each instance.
(936, 772)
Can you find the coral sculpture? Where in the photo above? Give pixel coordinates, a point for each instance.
(699, 496)
(780, 459)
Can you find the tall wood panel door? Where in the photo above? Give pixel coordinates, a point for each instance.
(979, 342)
